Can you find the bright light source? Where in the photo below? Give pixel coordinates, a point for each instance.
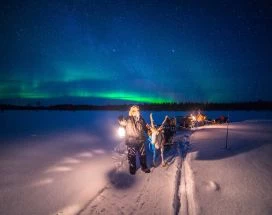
(121, 131)
(193, 118)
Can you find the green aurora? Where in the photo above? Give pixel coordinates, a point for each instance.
(32, 92)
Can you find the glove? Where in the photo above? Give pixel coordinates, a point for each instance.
(120, 118)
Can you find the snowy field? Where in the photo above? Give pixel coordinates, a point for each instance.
(57, 162)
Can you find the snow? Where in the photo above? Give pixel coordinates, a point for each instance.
(233, 181)
(74, 163)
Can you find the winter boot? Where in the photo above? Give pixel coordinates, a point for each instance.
(132, 170)
(146, 170)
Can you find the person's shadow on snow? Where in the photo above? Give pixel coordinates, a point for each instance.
(121, 180)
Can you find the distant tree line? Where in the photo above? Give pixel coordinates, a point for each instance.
(187, 106)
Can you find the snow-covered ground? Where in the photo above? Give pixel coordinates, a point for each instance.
(73, 163)
(233, 181)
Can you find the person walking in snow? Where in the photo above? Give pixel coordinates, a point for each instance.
(136, 128)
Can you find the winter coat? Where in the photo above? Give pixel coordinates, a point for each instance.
(135, 130)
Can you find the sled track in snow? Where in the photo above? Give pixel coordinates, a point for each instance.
(176, 198)
(180, 199)
(188, 202)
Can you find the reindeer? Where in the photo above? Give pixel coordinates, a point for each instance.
(157, 138)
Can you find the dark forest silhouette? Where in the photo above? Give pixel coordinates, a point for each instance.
(257, 105)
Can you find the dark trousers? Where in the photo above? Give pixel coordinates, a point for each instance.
(132, 153)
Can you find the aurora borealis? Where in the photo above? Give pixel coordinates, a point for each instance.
(108, 52)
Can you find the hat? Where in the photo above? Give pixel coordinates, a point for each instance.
(133, 110)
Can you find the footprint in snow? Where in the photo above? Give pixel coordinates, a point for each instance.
(212, 186)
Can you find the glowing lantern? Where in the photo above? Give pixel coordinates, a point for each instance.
(121, 132)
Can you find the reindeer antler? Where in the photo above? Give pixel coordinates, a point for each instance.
(161, 127)
(152, 121)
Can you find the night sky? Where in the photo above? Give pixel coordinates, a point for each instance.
(112, 52)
